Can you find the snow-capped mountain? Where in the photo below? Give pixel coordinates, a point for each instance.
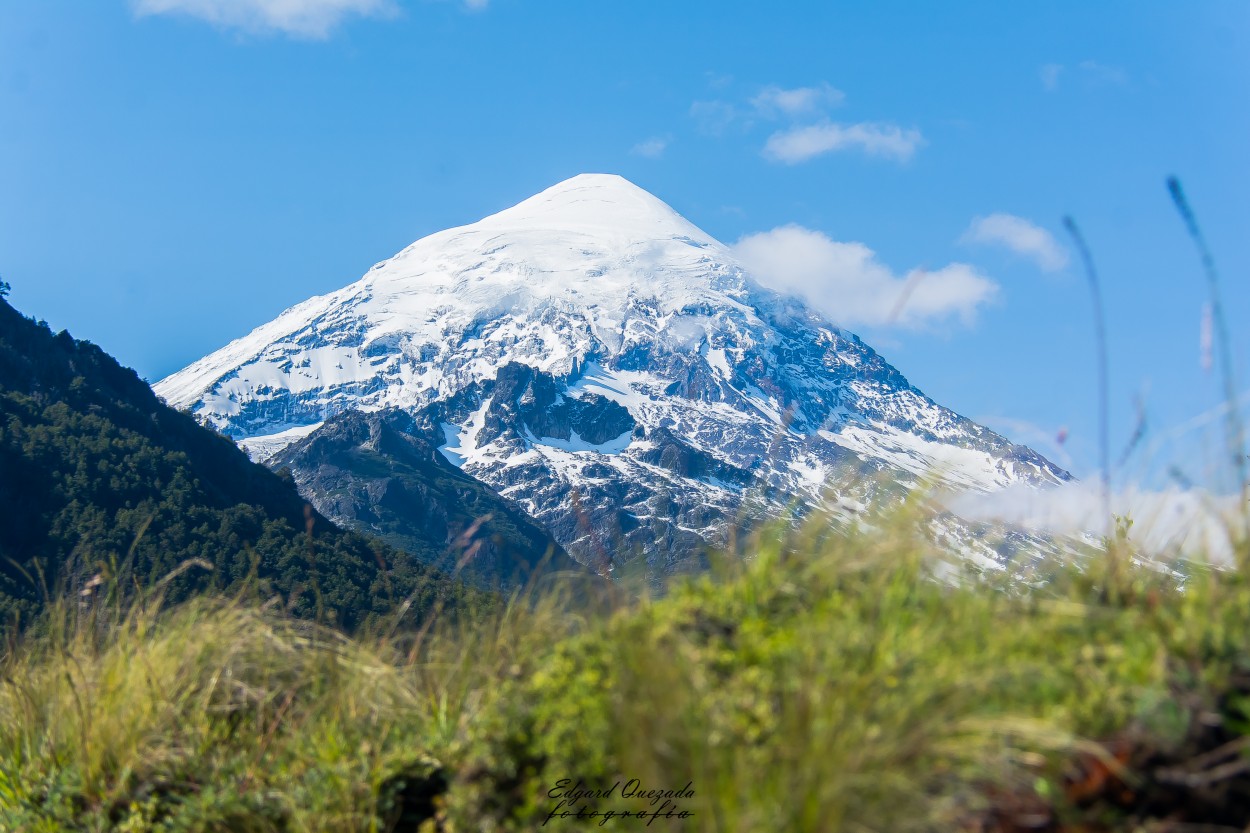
(601, 361)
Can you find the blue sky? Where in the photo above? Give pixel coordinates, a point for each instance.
(176, 172)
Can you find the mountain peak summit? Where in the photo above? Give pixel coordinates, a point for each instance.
(596, 202)
(597, 181)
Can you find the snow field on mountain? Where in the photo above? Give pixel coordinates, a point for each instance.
(732, 388)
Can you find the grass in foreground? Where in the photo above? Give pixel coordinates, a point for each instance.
(827, 684)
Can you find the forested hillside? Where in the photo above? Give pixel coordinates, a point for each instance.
(102, 485)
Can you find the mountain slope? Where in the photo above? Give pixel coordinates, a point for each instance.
(369, 472)
(97, 476)
(721, 391)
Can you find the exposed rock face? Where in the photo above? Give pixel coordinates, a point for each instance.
(609, 367)
(530, 399)
(374, 473)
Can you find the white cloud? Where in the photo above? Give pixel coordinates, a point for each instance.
(803, 143)
(1050, 76)
(1020, 236)
(846, 282)
(312, 19)
(652, 148)
(1166, 524)
(799, 101)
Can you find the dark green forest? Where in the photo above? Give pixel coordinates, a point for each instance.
(103, 485)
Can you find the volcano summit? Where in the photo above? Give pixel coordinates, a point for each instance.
(608, 367)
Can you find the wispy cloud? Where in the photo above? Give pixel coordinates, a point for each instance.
(1019, 235)
(800, 144)
(310, 19)
(849, 284)
(1049, 73)
(798, 101)
(1104, 74)
(1092, 73)
(769, 103)
(808, 132)
(713, 117)
(652, 148)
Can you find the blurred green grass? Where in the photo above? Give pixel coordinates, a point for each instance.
(815, 680)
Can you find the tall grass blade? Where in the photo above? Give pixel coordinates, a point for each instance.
(1234, 431)
(1100, 335)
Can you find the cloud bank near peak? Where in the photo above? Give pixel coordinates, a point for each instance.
(1167, 523)
(848, 283)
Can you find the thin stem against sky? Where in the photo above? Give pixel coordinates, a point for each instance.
(1100, 336)
(1234, 433)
